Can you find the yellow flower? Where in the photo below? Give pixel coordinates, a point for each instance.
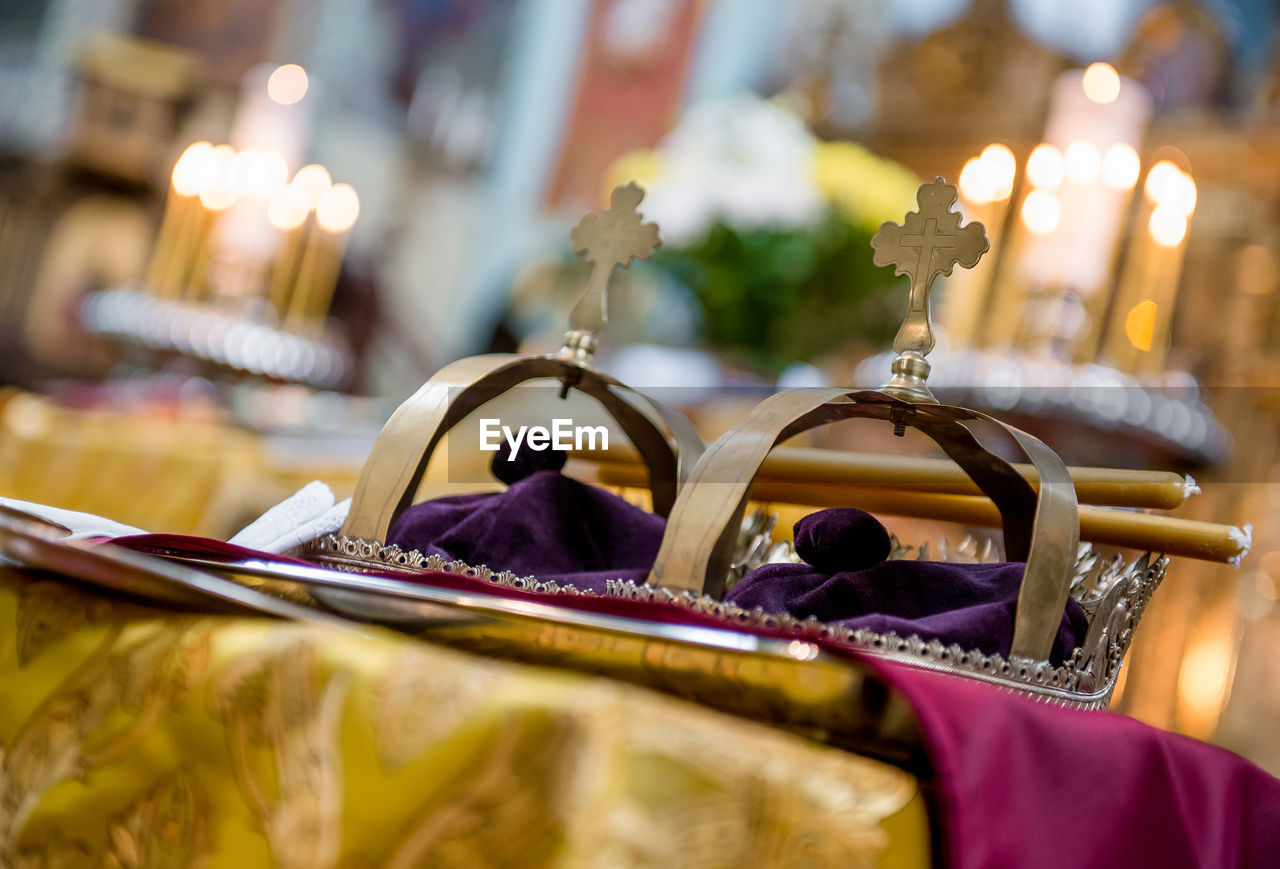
(641, 166)
(869, 188)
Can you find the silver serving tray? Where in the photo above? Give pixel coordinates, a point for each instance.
(33, 542)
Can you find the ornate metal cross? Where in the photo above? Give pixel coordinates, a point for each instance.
(930, 242)
(613, 239)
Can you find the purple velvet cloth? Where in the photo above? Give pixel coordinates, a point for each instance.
(555, 528)
(969, 604)
(841, 539)
(545, 525)
(1023, 783)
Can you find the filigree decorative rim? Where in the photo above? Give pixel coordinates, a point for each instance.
(1109, 589)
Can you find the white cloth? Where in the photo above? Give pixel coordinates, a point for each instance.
(305, 515)
(81, 524)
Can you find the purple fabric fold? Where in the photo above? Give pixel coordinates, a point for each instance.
(1023, 783)
(972, 605)
(545, 525)
(556, 528)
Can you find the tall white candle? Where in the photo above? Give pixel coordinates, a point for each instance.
(1097, 119)
(1080, 180)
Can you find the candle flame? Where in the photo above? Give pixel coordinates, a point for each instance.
(1082, 162)
(1001, 167)
(258, 173)
(313, 181)
(1185, 201)
(1044, 166)
(975, 185)
(194, 169)
(218, 193)
(1169, 186)
(1041, 211)
(1101, 83)
(1203, 679)
(287, 208)
(1121, 166)
(338, 209)
(1167, 225)
(287, 84)
(1140, 325)
(989, 177)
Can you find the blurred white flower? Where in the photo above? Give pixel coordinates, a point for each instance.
(741, 160)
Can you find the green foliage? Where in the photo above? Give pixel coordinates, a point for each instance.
(771, 297)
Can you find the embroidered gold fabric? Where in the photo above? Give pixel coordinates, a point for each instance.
(133, 737)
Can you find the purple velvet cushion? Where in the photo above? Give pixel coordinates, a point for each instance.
(841, 539)
(545, 525)
(555, 528)
(969, 604)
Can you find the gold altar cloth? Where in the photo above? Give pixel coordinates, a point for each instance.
(131, 736)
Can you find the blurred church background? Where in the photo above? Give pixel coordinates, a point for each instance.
(234, 234)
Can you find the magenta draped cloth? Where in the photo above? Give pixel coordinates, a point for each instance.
(1026, 784)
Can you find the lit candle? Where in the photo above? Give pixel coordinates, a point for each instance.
(217, 194)
(1038, 215)
(1081, 180)
(245, 241)
(309, 185)
(986, 184)
(312, 181)
(181, 217)
(336, 213)
(268, 135)
(1138, 333)
(287, 210)
(1093, 111)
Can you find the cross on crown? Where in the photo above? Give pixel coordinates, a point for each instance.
(613, 239)
(930, 242)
